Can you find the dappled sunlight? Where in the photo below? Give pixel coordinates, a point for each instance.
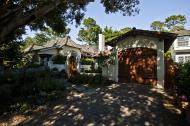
(113, 105)
(138, 65)
(126, 112)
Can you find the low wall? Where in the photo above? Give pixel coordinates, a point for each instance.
(85, 67)
(58, 66)
(94, 74)
(110, 72)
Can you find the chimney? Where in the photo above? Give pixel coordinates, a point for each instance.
(101, 44)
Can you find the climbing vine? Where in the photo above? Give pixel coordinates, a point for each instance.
(105, 59)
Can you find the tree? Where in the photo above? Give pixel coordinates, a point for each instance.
(90, 31)
(157, 26)
(175, 20)
(43, 37)
(178, 28)
(16, 14)
(171, 23)
(11, 53)
(110, 34)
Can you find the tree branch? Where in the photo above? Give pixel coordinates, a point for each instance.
(23, 19)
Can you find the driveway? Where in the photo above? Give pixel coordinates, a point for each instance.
(115, 105)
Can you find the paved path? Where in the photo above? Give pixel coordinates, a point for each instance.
(115, 105)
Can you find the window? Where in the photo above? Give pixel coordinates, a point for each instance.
(187, 58)
(183, 41)
(180, 59)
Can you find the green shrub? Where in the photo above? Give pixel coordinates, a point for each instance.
(87, 61)
(59, 59)
(183, 80)
(88, 79)
(8, 79)
(17, 92)
(48, 85)
(33, 65)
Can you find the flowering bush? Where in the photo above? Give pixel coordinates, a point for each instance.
(183, 80)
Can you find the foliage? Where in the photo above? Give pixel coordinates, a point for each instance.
(183, 79)
(59, 59)
(26, 90)
(99, 70)
(33, 65)
(56, 14)
(111, 34)
(88, 79)
(175, 20)
(11, 53)
(90, 31)
(87, 61)
(105, 60)
(171, 23)
(168, 53)
(157, 26)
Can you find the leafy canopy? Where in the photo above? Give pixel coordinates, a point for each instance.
(110, 34)
(56, 14)
(90, 31)
(157, 26)
(175, 20)
(171, 23)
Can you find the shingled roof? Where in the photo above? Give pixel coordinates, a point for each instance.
(183, 33)
(55, 43)
(89, 50)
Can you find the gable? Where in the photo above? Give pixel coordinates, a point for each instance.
(139, 41)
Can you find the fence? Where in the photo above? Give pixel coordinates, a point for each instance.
(23, 70)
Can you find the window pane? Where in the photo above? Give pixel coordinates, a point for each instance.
(180, 59)
(187, 58)
(184, 43)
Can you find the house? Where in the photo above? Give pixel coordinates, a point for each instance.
(60, 46)
(139, 57)
(45, 54)
(181, 47)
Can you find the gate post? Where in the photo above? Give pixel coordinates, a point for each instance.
(160, 64)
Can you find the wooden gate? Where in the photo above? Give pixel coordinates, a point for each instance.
(138, 65)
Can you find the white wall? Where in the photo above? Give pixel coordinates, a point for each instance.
(181, 55)
(139, 41)
(160, 64)
(111, 71)
(176, 47)
(101, 43)
(65, 51)
(58, 66)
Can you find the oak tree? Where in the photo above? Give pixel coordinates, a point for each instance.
(37, 14)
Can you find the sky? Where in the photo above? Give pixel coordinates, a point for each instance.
(150, 10)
